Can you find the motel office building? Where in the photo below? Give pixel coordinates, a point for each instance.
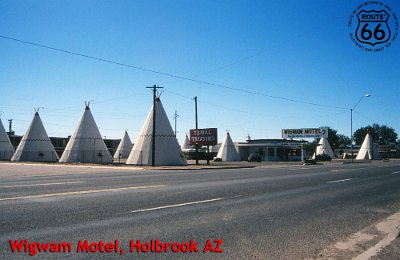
(271, 149)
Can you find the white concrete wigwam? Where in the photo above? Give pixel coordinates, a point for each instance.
(368, 150)
(6, 148)
(227, 152)
(124, 147)
(186, 144)
(324, 148)
(35, 145)
(86, 144)
(167, 150)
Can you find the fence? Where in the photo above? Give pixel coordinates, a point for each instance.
(6, 155)
(36, 156)
(87, 156)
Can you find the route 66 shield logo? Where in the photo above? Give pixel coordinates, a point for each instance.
(373, 27)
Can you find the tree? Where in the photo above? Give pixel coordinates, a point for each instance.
(337, 141)
(381, 134)
(343, 141)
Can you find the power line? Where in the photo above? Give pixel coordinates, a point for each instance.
(168, 74)
(189, 99)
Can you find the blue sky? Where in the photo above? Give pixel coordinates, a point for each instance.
(297, 50)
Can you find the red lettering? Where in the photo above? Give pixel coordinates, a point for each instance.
(209, 246)
(93, 247)
(145, 247)
(17, 246)
(109, 247)
(167, 244)
(134, 245)
(159, 246)
(175, 247)
(82, 246)
(193, 246)
(218, 248)
(86, 247)
(43, 247)
(185, 247)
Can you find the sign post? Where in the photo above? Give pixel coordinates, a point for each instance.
(206, 136)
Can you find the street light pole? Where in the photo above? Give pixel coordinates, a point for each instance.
(351, 133)
(351, 123)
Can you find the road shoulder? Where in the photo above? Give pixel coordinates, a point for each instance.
(378, 241)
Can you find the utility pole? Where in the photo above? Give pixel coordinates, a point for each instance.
(175, 118)
(10, 125)
(153, 137)
(197, 127)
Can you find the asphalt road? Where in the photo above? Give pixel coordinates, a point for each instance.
(268, 212)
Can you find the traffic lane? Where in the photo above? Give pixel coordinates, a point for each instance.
(24, 210)
(246, 183)
(285, 212)
(271, 184)
(166, 174)
(68, 183)
(247, 242)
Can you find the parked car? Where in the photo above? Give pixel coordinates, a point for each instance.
(254, 157)
(323, 158)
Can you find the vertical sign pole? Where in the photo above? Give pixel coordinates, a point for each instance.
(208, 154)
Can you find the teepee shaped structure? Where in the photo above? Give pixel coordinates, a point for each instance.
(227, 152)
(186, 144)
(86, 144)
(35, 146)
(124, 148)
(167, 150)
(324, 148)
(368, 150)
(6, 148)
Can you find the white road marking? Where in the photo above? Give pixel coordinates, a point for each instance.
(395, 172)
(348, 169)
(338, 181)
(390, 227)
(176, 205)
(295, 169)
(80, 192)
(41, 184)
(125, 167)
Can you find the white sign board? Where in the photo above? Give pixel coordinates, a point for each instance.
(304, 133)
